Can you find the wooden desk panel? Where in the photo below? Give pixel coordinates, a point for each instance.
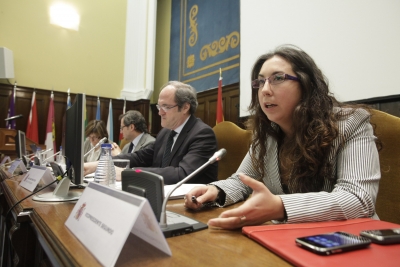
(60, 245)
(204, 248)
(208, 247)
(18, 221)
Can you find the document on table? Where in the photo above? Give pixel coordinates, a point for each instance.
(177, 194)
(180, 191)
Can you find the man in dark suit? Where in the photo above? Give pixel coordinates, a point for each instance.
(175, 156)
(134, 130)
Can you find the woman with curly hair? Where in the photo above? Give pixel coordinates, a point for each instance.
(312, 158)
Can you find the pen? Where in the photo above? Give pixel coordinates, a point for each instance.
(206, 204)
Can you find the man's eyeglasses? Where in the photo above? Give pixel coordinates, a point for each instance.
(272, 80)
(122, 127)
(165, 108)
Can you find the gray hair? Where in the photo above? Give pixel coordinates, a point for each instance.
(136, 118)
(184, 93)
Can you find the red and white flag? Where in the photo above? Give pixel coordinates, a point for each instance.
(220, 110)
(32, 131)
(50, 141)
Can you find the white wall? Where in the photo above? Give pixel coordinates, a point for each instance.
(356, 43)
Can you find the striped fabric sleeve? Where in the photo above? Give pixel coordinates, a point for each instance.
(358, 175)
(357, 172)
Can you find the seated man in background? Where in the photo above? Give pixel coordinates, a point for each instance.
(94, 132)
(192, 142)
(134, 130)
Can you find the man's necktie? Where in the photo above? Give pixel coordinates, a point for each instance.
(167, 152)
(130, 148)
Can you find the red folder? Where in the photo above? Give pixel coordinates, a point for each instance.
(281, 240)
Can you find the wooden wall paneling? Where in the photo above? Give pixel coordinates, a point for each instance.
(392, 107)
(4, 100)
(230, 102)
(388, 104)
(23, 106)
(155, 127)
(202, 110)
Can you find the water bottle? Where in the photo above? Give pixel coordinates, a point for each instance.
(105, 171)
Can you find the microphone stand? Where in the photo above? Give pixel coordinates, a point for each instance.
(184, 227)
(96, 146)
(47, 150)
(14, 117)
(52, 156)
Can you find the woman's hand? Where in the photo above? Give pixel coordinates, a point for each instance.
(261, 207)
(203, 194)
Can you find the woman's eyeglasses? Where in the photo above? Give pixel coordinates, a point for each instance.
(272, 80)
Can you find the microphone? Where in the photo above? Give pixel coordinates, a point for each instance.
(10, 162)
(55, 154)
(47, 150)
(96, 146)
(14, 117)
(163, 218)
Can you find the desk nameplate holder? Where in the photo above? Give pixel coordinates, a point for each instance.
(14, 165)
(34, 175)
(103, 218)
(5, 160)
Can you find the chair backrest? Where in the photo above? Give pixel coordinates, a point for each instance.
(236, 141)
(388, 200)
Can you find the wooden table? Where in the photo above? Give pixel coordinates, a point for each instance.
(56, 245)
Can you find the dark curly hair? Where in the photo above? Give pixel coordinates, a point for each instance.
(306, 154)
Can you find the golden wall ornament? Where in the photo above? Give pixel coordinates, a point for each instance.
(190, 61)
(218, 47)
(193, 25)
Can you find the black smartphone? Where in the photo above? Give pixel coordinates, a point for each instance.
(383, 236)
(331, 243)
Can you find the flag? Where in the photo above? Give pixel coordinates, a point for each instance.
(121, 136)
(69, 100)
(50, 140)
(110, 127)
(32, 127)
(11, 109)
(98, 109)
(220, 111)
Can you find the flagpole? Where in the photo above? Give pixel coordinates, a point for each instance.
(219, 111)
(14, 123)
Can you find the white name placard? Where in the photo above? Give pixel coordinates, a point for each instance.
(34, 175)
(5, 159)
(17, 163)
(103, 218)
